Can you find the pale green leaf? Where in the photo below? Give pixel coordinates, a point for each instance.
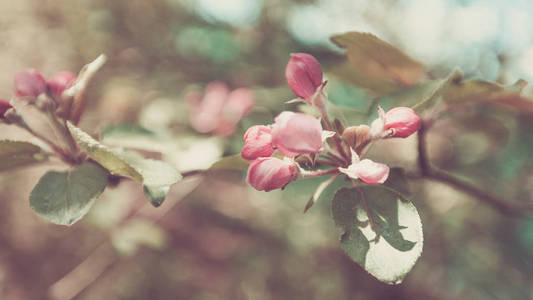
(230, 163)
(65, 197)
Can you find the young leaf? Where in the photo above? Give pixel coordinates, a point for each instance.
(156, 176)
(64, 198)
(384, 235)
(16, 154)
(375, 61)
(105, 156)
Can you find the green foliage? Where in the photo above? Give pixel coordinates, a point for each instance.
(63, 198)
(17, 154)
(381, 230)
(156, 176)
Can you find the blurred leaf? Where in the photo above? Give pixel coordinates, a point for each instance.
(16, 154)
(230, 163)
(377, 65)
(64, 198)
(156, 176)
(125, 130)
(389, 241)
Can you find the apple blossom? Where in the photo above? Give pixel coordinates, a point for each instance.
(29, 84)
(270, 173)
(296, 133)
(304, 75)
(258, 142)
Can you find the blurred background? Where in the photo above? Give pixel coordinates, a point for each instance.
(215, 237)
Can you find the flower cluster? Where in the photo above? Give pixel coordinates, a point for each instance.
(275, 150)
(218, 110)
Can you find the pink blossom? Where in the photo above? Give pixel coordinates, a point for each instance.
(304, 75)
(257, 142)
(218, 110)
(403, 120)
(296, 133)
(60, 82)
(29, 84)
(4, 106)
(270, 173)
(366, 170)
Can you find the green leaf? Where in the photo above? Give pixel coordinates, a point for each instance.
(16, 154)
(384, 235)
(125, 130)
(377, 65)
(156, 176)
(64, 198)
(230, 163)
(105, 156)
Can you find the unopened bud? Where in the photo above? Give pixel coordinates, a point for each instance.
(356, 135)
(296, 133)
(257, 143)
(59, 83)
(403, 121)
(304, 75)
(4, 107)
(270, 173)
(29, 84)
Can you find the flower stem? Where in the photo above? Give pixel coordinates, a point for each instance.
(320, 173)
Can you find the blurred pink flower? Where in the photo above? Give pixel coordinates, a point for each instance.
(4, 106)
(60, 82)
(29, 84)
(218, 110)
(270, 173)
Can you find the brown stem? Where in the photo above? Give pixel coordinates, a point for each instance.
(336, 138)
(427, 172)
(326, 162)
(320, 173)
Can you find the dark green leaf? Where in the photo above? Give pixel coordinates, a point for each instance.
(16, 154)
(392, 230)
(65, 197)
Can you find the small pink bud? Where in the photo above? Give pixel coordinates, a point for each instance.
(206, 112)
(257, 142)
(4, 106)
(29, 84)
(60, 82)
(270, 173)
(296, 133)
(403, 121)
(304, 75)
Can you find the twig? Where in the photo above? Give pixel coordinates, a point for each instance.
(427, 172)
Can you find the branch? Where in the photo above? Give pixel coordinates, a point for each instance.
(427, 172)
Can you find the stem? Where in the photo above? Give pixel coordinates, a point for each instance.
(334, 157)
(326, 162)
(336, 138)
(320, 173)
(365, 204)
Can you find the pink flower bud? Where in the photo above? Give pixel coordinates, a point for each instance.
(257, 143)
(304, 75)
(403, 121)
(270, 173)
(296, 133)
(4, 106)
(60, 82)
(366, 170)
(206, 111)
(29, 84)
